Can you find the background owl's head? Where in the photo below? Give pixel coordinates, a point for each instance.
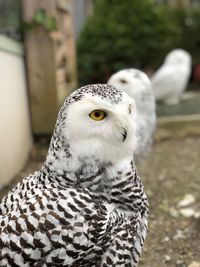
(134, 82)
(98, 120)
(178, 57)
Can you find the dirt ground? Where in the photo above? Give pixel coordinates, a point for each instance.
(170, 172)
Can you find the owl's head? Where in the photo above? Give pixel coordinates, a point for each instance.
(178, 57)
(97, 121)
(134, 82)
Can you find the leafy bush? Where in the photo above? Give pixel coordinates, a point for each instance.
(121, 34)
(188, 20)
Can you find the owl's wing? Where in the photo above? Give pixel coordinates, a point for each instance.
(67, 227)
(55, 226)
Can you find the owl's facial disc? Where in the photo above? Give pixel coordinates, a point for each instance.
(99, 115)
(101, 128)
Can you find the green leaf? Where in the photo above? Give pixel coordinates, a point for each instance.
(39, 17)
(50, 24)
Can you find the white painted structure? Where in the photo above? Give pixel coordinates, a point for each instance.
(15, 133)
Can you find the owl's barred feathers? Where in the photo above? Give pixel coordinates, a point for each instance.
(89, 213)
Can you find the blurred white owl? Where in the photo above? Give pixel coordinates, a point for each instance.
(137, 85)
(171, 79)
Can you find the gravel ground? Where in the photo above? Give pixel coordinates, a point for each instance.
(170, 172)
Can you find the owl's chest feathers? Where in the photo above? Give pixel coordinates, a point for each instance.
(109, 182)
(115, 183)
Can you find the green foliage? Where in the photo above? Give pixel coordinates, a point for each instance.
(121, 34)
(40, 18)
(188, 20)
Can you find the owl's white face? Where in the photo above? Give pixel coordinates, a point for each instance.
(96, 127)
(132, 81)
(178, 57)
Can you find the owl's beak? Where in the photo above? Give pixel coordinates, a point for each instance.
(124, 134)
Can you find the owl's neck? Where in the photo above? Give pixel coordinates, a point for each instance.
(64, 161)
(116, 182)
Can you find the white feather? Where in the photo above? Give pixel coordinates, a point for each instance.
(103, 135)
(137, 85)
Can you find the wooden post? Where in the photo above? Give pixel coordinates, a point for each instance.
(50, 58)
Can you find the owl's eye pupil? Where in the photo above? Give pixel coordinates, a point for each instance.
(97, 114)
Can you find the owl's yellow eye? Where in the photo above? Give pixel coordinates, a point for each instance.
(97, 115)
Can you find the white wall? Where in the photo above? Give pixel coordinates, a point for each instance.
(15, 134)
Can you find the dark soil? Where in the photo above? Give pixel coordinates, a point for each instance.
(171, 171)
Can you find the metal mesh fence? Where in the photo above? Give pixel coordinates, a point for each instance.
(10, 18)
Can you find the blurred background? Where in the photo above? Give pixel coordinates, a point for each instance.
(48, 48)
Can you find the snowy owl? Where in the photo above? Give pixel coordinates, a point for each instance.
(137, 85)
(171, 79)
(86, 206)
